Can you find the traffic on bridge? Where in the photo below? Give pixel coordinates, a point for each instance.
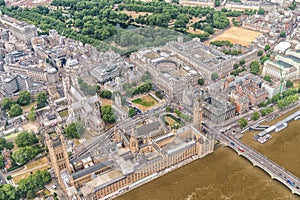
(273, 169)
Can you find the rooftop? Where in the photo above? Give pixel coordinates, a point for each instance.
(147, 129)
(101, 181)
(91, 169)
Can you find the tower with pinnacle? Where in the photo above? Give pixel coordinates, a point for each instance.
(197, 113)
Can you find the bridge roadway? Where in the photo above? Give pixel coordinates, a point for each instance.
(257, 159)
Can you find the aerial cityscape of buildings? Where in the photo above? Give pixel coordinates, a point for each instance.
(99, 123)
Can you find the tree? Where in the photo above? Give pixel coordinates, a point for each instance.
(4, 144)
(214, 76)
(9, 145)
(201, 81)
(282, 34)
(268, 78)
(1, 162)
(293, 6)
(9, 177)
(242, 62)
(289, 84)
(254, 67)
(79, 127)
(181, 21)
(15, 110)
(267, 47)
(41, 100)
(105, 94)
(243, 123)
(261, 11)
(24, 154)
(24, 98)
(2, 2)
(255, 116)
(168, 109)
(159, 94)
(235, 66)
(33, 183)
(107, 114)
(131, 112)
(260, 53)
(74, 130)
(6, 103)
(26, 139)
(8, 192)
(32, 114)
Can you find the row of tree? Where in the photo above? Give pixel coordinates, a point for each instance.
(28, 147)
(86, 88)
(13, 107)
(27, 187)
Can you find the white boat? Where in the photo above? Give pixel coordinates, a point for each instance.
(296, 118)
(281, 127)
(264, 138)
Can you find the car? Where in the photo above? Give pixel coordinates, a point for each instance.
(54, 187)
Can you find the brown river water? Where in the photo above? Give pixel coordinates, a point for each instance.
(225, 175)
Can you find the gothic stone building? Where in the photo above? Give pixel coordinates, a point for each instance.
(134, 156)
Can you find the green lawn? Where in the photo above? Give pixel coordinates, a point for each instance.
(11, 135)
(64, 113)
(145, 101)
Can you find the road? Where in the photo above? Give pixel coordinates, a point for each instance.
(2, 178)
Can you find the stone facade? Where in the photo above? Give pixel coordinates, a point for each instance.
(284, 66)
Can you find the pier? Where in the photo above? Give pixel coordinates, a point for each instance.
(273, 127)
(258, 127)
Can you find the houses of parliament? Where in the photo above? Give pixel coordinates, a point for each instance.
(129, 159)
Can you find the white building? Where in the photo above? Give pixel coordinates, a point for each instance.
(284, 66)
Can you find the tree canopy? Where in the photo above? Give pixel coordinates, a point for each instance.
(24, 154)
(5, 144)
(8, 192)
(243, 122)
(214, 76)
(108, 114)
(74, 130)
(26, 139)
(201, 81)
(86, 88)
(15, 110)
(24, 98)
(6, 103)
(41, 100)
(289, 84)
(254, 67)
(105, 94)
(255, 116)
(31, 115)
(33, 183)
(131, 112)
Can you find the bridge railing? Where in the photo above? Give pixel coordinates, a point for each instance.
(253, 153)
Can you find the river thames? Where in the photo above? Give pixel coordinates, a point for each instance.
(225, 175)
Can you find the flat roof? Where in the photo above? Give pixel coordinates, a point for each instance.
(284, 64)
(294, 58)
(92, 169)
